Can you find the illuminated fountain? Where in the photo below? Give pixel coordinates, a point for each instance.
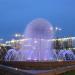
(37, 55)
(37, 45)
(66, 55)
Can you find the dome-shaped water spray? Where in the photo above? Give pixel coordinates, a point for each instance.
(37, 44)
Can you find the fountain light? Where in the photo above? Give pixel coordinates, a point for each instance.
(35, 41)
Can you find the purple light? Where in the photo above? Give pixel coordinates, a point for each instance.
(37, 48)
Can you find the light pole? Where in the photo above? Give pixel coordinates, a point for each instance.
(17, 35)
(58, 41)
(57, 30)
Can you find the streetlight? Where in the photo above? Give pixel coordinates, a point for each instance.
(58, 42)
(17, 35)
(57, 29)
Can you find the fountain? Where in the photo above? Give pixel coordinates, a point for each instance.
(37, 44)
(66, 55)
(36, 55)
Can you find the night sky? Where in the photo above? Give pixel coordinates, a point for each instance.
(16, 14)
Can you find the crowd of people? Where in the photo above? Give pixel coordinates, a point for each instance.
(8, 53)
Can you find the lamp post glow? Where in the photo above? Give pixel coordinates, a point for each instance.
(17, 35)
(57, 29)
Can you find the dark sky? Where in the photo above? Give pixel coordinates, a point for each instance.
(16, 14)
